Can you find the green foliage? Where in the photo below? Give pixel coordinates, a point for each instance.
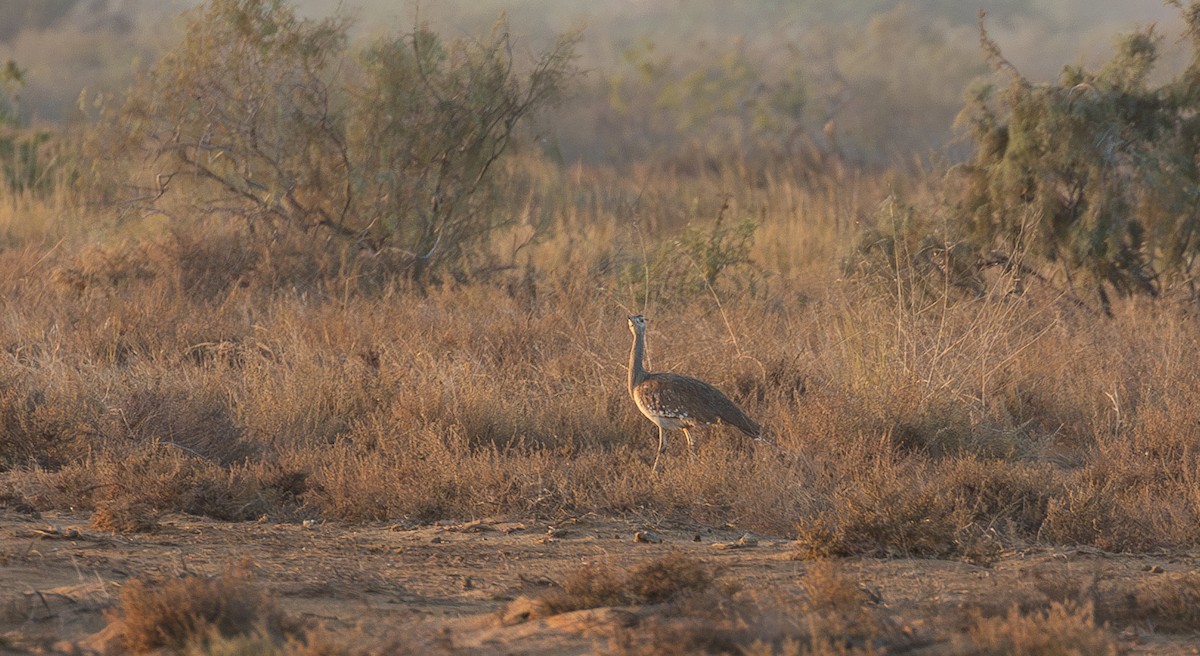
(1095, 173)
(724, 99)
(264, 116)
(26, 160)
(694, 262)
(877, 84)
(241, 107)
(12, 78)
(429, 125)
(720, 247)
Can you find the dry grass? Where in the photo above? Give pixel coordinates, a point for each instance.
(1063, 630)
(226, 615)
(836, 616)
(207, 371)
(150, 367)
(669, 578)
(181, 612)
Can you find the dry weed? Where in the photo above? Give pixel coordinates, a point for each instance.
(1062, 630)
(891, 511)
(1168, 603)
(837, 616)
(180, 612)
(666, 579)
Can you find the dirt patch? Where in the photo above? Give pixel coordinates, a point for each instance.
(462, 586)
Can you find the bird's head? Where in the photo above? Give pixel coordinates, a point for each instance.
(636, 323)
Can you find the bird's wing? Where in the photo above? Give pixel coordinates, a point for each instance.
(700, 401)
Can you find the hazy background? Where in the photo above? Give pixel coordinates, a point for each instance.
(662, 73)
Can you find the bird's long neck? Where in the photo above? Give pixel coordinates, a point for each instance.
(637, 373)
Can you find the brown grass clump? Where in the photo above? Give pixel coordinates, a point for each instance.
(130, 492)
(891, 514)
(318, 641)
(1089, 513)
(40, 426)
(122, 514)
(1162, 603)
(177, 613)
(837, 616)
(1168, 603)
(1063, 630)
(668, 578)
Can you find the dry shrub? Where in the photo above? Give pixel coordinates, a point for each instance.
(839, 613)
(136, 487)
(122, 514)
(35, 431)
(173, 410)
(1062, 630)
(1168, 603)
(837, 616)
(105, 267)
(665, 579)
(177, 613)
(318, 641)
(1162, 603)
(208, 264)
(1093, 514)
(13, 500)
(999, 493)
(47, 412)
(891, 511)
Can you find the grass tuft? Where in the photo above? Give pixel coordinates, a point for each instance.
(177, 613)
(666, 579)
(1062, 630)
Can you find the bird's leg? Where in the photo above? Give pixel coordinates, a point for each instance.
(691, 444)
(662, 446)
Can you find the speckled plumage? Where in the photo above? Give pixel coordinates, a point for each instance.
(674, 401)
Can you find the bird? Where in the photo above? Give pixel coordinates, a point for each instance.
(677, 401)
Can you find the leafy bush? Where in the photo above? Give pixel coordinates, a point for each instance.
(1094, 175)
(25, 160)
(719, 102)
(692, 263)
(265, 116)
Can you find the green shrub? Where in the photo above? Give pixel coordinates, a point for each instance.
(267, 117)
(1093, 175)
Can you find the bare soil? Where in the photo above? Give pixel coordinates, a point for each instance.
(460, 586)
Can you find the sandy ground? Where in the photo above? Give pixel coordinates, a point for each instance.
(454, 585)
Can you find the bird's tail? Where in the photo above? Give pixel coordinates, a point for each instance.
(751, 429)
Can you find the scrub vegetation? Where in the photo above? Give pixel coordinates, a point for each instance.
(296, 273)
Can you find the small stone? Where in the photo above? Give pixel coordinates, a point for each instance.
(647, 537)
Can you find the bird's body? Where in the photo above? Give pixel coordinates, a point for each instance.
(673, 401)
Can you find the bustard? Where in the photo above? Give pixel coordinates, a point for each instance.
(675, 401)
